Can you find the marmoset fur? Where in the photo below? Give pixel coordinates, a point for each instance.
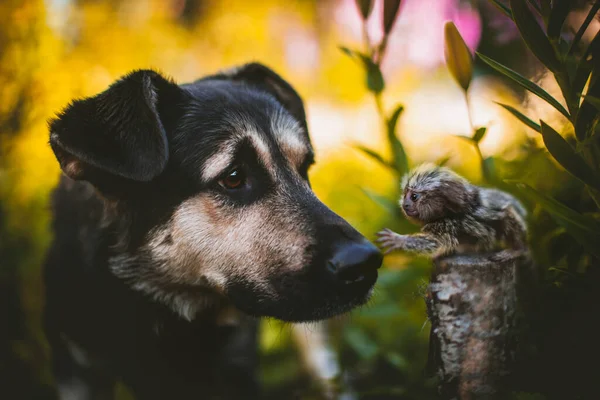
(456, 216)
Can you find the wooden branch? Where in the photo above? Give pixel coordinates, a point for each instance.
(473, 304)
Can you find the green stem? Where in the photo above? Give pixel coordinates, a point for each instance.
(484, 170)
(381, 51)
(468, 103)
(367, 40)
(379, 105)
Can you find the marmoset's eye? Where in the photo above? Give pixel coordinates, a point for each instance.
(415, 196)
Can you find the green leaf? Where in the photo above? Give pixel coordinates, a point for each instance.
(388, 205)
(595, 101)
(533, 35)
(364, 8)
(566, 156)
(400, 158)
(558, 14)
(583, 229)
(521, 117)
(525, 83)
(479, 134)
(544, 9)
(584, 26)
(588, 116)
(458, 56)
(595, 195)
(503, 8)
(360, 342)
(390, 11)
(582, 73)
(375, 82)
(489, 169)
(374, 155)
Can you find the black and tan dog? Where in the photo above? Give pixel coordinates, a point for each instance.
(180, 205)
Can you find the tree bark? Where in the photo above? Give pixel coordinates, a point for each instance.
(473, 304)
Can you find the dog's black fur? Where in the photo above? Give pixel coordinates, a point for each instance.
(151, 251)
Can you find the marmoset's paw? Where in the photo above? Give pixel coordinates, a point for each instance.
(389, 240)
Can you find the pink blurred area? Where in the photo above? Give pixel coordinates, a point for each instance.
(418, 34)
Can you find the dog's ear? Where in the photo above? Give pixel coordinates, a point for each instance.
(118, 132)
(264, 78)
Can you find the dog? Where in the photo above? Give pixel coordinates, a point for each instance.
(184, 214)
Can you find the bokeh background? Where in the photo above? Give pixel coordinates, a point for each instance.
(52, 51)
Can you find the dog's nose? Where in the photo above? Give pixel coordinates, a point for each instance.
(353, 262)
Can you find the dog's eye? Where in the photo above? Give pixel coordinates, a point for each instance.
(415, 196)
(233, 180)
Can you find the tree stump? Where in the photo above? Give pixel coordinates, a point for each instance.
(473, 305)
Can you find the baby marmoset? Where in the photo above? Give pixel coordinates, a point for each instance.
(456, 216)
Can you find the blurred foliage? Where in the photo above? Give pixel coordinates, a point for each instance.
(52, 51)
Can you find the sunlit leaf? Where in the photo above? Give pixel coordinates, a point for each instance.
(525, 83)
(479, 134)
(364, 7)
(566, 156)
(583, 229)
(558, 14)
(374, 155)
(375, 82)
(503, 8)
(593, 11)
(521, 117)
(389, 205)
(390, 11)
(458, 56)
(360, 342)
(400, 158)
(533, 35)
(588, 115)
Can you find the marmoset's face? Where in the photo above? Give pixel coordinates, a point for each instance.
(410, 202)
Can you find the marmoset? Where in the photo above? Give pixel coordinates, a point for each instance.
(456, 216)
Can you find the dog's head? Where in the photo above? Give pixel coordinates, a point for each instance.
(210, 195)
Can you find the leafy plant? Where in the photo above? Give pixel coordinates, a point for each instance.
(370, 60)
(460, 64)
(576, 69)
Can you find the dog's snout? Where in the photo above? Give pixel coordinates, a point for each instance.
(355, 262)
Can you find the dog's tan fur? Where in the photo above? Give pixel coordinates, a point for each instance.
(206, 243)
